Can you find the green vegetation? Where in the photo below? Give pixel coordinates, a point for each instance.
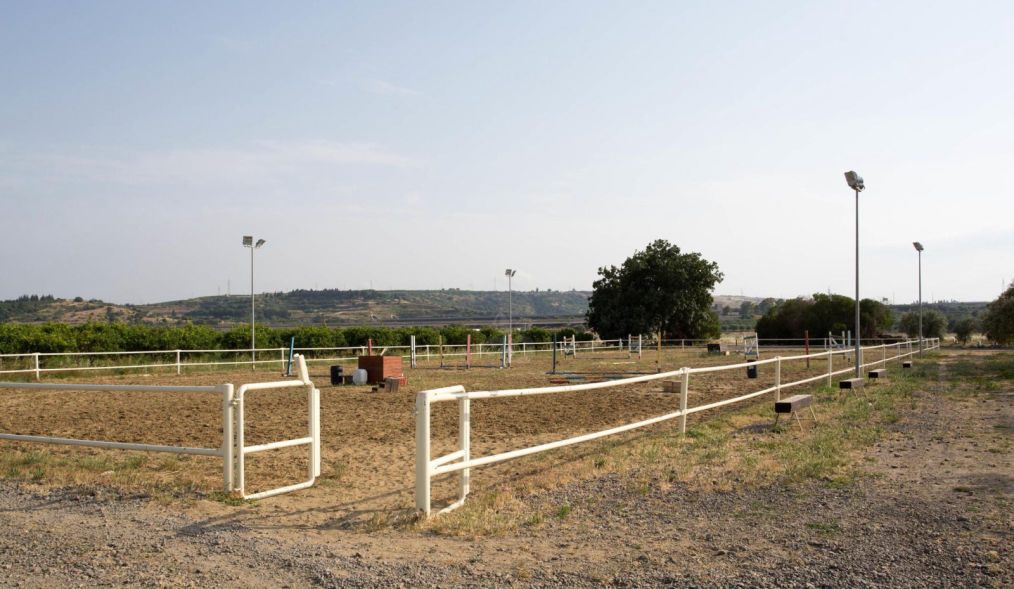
(953, 311)
(933, 323)
(309, 307)
(24, 306)
(964, 329)
(822, 314)
(659, 289)
(119, 337)
(998, 320)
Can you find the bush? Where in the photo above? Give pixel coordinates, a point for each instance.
(933, 324)
(964, 329)
(998, 320)
(456, 335)
(536, 335)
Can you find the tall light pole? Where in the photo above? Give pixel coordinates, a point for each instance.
(510, 306)
(249, 242)
(855, 182)
(919, 248)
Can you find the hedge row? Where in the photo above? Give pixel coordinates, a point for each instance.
(18, 338)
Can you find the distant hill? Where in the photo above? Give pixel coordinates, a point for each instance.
(316, 307)
(340, 308)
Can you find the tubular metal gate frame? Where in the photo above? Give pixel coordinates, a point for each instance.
(232, 451)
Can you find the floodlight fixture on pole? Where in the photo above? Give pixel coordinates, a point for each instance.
(249, 242)
(510, 304)
(855, 182)
(919, 248)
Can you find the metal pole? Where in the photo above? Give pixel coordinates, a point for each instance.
(920, 303)
(253, 332)
(510, 311)
(859, 361)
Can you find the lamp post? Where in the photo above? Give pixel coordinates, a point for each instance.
(855, 182)
(249, 242)
(919, 248)
(510, 307)
(510, 317)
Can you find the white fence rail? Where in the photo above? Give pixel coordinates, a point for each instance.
(42, 363)
(38, 364)
(232, 450)
(461, 460)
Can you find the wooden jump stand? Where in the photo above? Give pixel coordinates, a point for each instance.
(792, 406)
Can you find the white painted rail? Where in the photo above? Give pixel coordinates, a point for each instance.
(232, 450)
(462, 462)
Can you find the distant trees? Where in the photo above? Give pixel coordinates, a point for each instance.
(658, 289)
(822, 314)
(998, 320)
(934, 323)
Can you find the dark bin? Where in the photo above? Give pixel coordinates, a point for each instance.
(751, 370)
(336, 375)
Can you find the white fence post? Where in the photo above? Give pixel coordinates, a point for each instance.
(412, 355)
(38, 375)
(314, 432)
(228, 437)
(684, 388)
(177, 362)
(464, 433)
(830, 365)
(422, 453)
(778, 378)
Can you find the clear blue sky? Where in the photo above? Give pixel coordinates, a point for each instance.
(425, 145)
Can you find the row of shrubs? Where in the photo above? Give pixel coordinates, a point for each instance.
(18, 338)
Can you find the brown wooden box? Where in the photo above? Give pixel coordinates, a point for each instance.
(379, 368)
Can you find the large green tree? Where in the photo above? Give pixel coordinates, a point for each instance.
(998, 320)
(658, 289)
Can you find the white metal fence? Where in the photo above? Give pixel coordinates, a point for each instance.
(461, 460)
(42, 363)
(233, 450)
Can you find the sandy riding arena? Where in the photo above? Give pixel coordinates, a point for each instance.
(916, 489)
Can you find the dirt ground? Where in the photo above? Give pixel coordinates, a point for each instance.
(368, 439)
(936, 509)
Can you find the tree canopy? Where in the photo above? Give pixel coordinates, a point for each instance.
(822, 314)
(658, 289)
(998, 321)
(964, 329)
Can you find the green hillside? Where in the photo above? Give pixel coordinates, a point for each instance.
(313, 307)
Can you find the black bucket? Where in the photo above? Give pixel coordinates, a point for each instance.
(751, 370)
(336, 375)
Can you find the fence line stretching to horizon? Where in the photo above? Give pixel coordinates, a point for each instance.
(40, 363)
(461, 460)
